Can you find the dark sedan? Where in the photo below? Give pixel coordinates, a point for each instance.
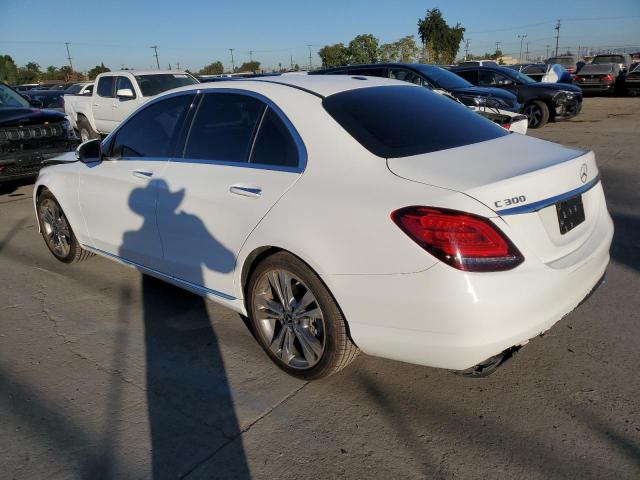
(542, 102)
(432, 77)
(600, 78)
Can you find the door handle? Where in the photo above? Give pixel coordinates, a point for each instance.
(142, 174)
(246, 191)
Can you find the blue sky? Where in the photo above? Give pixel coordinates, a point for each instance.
(196, 32)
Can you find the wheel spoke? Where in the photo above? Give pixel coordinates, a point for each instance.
(287, 348)
(301, 305)
(270, 308)
(285, 285)
(311, 347)
(315, 314)
(277, 342)
(277, 288)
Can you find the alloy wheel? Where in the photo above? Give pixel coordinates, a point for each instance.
(534, 114)
(56, 230)
(289, 319)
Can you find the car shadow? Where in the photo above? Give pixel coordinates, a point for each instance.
(190, 406)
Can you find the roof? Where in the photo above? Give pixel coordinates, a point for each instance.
(146, 72)
(319, 85)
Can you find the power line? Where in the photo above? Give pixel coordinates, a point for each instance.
(155, 49)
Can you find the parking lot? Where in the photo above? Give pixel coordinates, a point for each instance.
(105, 373)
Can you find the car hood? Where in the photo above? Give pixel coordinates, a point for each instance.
(15, 116)
(553, 86)
(487, 92)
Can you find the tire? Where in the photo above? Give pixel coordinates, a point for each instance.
(310, 344)
(56, 231)
(538, 114)
(85, 131)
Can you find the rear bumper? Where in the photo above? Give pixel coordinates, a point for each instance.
(450, 319)
(597, 88)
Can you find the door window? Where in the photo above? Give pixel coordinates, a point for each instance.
(152, 132)
(406, 76)
(105, 87)
(223, 127)
(493, 79)
(273, 144)
(470, 76)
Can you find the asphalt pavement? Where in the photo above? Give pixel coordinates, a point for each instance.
(105, 373)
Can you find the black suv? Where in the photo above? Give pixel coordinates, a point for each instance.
(432, 77)
(29, 135)
(542, 102)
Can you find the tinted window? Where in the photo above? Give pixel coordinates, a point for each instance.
(370, 72)
(400, 121)
(9, 98)
(487, 78)
(223, 127)
(73, 89)
(105, 86)
(608, 59)
(152, 131)
(442, 78)
(274, 144)
(469, 75)
(161, 82)
(124, 82)
(406, 76)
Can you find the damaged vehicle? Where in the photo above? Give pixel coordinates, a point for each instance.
(29, 135)
(632, 80)
(542, 102)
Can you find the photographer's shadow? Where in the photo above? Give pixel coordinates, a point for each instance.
(190, 408)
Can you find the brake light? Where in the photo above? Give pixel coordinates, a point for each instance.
(578, 78)
(607, 78)
(506, 126)
(462, 240)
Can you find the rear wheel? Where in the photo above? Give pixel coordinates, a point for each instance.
(85, 131)
(56, 231)
(538, 114)
(296, 320)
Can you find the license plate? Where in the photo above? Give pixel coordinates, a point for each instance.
(570, 214)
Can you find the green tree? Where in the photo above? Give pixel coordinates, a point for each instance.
(334, 55)
(252, 66)
(440, 41)
(363, 49)
(26, 76)
(215, 68)
(8, 70)
(97, 70)
(404, 50)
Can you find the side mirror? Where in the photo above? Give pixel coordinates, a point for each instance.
(90, 151)
(125, 93)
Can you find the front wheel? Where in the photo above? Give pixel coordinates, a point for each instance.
(296, 320)
(57, 232)
(85, 131)
(538, 114)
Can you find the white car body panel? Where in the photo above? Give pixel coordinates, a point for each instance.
(400, 302)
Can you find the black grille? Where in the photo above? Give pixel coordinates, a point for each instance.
(31, 132)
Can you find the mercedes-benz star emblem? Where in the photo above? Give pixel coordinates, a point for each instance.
(584, 174)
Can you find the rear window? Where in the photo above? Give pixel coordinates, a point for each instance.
(564, 61)
(400, 121)
(105, 86)
(151, 85)
(599, 59)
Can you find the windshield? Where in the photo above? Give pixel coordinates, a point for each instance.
(443, 78)
(608, 59)
(10, 98)
(521, 77)
(151, 85)
(401, 121)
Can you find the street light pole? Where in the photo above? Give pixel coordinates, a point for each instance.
(557, 29)
(521, 37)
(155, 49)
(233, 65)
(310, 63)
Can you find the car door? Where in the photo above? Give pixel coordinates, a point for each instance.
(123, 106)
(118, 195)
(102, 104)
(240, 156)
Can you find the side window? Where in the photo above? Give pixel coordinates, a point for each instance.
(406, 76)
(152, 131)
(88, 90)
(470, 76)
(124, 82)
(273, 144)
(486, 78)
(223, 127)
(105, 87)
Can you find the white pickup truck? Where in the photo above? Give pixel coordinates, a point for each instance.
(115, 96)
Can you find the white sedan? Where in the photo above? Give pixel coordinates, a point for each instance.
(341, 214)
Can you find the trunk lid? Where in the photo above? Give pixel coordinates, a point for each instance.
(521, 179)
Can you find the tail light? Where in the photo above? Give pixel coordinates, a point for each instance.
(462, 240)
(607, 78)
(506, 126)
(578, 78)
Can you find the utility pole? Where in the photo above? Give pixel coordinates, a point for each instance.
(178, 64)
(497, 48)
(521, 37)
(557, 29)
(466, 48)
(527, 54)
(69, 55)
(155, 49)
(310, 63)
(547, 52)
(291, 62)
(233, 65)
(251, 55)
